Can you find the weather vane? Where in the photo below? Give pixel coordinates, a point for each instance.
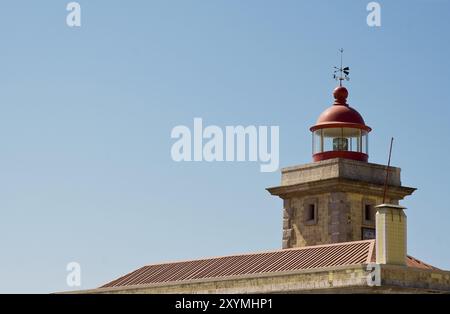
(341, 73)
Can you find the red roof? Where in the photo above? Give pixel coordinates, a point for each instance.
(312, 257)
(340, 114)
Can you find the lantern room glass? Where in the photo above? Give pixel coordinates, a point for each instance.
(340, 139)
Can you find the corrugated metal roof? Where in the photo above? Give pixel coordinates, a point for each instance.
(415, 263)
(339, 254)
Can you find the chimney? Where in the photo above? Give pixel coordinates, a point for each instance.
(390, 234)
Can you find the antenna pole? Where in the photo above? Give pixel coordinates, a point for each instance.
(340, 80)
(387, 172)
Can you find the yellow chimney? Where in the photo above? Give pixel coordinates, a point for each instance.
(390, 234)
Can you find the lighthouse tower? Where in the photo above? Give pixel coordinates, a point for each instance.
(334, 198)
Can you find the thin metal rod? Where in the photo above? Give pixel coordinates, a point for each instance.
(340, 79)
(387, 171)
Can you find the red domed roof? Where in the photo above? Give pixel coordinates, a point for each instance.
(341, 113)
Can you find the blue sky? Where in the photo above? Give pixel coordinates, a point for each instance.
(86, 115)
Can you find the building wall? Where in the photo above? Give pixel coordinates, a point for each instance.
(348, 279)
(339, 188)
(339, 217)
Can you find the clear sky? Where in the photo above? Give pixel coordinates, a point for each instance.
(86, 114)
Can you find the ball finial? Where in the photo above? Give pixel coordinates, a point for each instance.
(340, 95)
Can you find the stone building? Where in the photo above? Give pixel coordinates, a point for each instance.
(343, 230)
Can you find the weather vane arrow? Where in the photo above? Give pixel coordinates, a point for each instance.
(340, 74)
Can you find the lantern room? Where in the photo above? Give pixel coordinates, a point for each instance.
(340, 131)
